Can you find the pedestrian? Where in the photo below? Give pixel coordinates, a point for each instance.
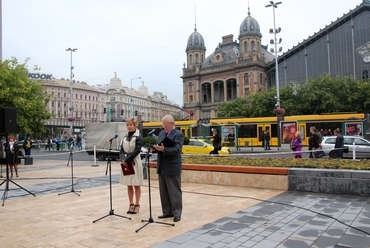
(216, 141)
(297, 145)
(27, 144)
(130, 148)
(13, 155)
(313, 142)
(339, 143)
(169, 166)
(58, 141)
(267, 138)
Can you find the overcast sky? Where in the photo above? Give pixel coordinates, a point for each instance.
(144, 38)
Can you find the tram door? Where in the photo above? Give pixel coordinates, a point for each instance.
(261, 128)
(302, 129)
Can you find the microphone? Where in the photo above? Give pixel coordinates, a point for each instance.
(151, 132)
(114, 137)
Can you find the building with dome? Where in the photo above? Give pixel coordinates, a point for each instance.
(235, 68)
(238, 67)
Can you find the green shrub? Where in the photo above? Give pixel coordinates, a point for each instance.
(148, 140)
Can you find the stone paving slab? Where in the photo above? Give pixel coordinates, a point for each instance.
(290, 219)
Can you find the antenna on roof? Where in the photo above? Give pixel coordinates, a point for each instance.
(249, 13)
(195, 17)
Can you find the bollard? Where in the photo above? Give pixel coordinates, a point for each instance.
(95, 164)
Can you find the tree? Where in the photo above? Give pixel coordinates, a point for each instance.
(234, 108)
(26, 96)
(325, 94)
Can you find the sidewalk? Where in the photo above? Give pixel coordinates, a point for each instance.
(213, 216)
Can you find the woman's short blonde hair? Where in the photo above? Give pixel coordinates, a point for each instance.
(132, 120)
(298, 133)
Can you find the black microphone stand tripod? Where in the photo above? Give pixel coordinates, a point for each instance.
(150, 220)
(70, 159)
(7, 179)
(109, 165)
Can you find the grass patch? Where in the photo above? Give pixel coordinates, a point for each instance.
(362, 164)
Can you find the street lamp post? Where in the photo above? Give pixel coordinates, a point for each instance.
(71, 119)
(276, 42)
(131, 101)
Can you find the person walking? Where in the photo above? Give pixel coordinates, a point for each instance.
(130, 148)
(313, 142)
(169, 166)
(339, 143)
(27, 144)
(216, 141)
(267, 139)
(297, 145)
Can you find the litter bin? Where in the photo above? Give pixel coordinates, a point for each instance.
(246, 143)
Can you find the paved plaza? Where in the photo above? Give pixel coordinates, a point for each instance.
(213, 215)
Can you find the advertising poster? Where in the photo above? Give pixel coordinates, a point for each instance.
(288, 130)
(228, 134)
(354, 128)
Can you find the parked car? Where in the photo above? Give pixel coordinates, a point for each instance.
(34, 143)
(362, 146)
(201, 146)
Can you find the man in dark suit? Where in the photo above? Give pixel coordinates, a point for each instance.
(169, 166)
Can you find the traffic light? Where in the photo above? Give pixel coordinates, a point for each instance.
(105, 110)
(122, 111)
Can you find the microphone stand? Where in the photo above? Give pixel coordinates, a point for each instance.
(150, 220)
(109, 164)
(7, 179)
(71, 159)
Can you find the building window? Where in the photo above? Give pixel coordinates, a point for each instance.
(190, 87)
(245, 46)
(246, 79)
(365, 75)
(246, 92)
(191, 99)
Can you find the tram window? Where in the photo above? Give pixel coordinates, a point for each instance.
(273, 131)
(248, 131)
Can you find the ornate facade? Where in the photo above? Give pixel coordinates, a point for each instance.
(235, 69)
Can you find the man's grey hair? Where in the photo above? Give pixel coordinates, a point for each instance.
(168, 118)
(313, 128)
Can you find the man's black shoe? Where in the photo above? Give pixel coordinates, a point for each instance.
(165, 216)
(176, 219)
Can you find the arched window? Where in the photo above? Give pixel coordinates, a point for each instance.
(190, 59)
(246, 79)
(190, 87)
(253, 46)
(196, 58)
(245, 46)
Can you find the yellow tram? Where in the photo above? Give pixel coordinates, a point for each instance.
(242, 131)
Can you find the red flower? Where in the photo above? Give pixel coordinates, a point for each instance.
(279, 111)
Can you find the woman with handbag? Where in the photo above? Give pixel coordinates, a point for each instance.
(297, 145)
(130, 147)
